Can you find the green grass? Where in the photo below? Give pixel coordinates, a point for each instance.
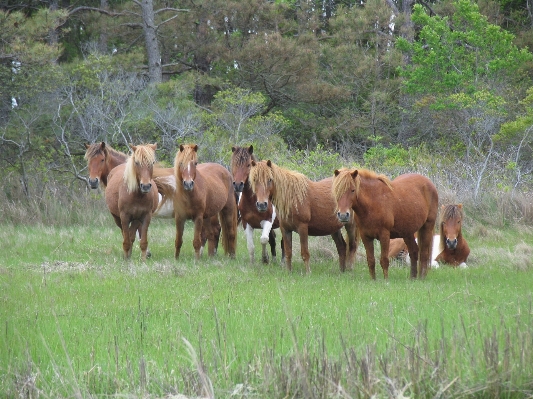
(76, 320)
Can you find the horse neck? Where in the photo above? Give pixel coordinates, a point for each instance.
(115, 158)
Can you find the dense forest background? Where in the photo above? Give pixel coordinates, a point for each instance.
(444, 87)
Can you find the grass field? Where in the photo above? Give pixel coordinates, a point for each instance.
(78, 321)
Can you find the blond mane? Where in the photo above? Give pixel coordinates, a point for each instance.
(343, 181)
(144, 156)
(291, 186)
(186, 153)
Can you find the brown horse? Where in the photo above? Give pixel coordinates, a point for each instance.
(102, 158)
(241, 162)
(453, 246)
(131, 196)
(384, 209)
(305, 207)
(203, 191)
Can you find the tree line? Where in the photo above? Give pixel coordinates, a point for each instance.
(358, 79)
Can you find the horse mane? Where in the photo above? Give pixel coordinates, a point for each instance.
(186, 153)
(144, 156)
(96, 148)
(291, 186)
(343, 181)
(240, 156)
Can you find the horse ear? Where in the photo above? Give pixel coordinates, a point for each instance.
(87, 145)
(133, 147)
(354, 173)
(460, 206)
(336, 172)
(195, 148)
(102, 145)
(153, 146)
(269, 163)
(251, 149)
(253, 163)
(233, 149)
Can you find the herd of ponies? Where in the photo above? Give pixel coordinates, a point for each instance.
(401, 213)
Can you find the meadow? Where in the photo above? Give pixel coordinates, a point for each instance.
(78, 321)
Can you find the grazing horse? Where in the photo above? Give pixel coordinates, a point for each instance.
(203, 191)
(305, 207)
(267, 221)
(385, 209)
(101, 159)
(453, 246)
(131, 196)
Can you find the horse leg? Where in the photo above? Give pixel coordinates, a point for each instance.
(384, 241)
(351, 230)
(249, 232)
(425, 242)
(272, 243)
(197, 240)
(304, 247)
(266, 227)
(287, 244)
(143, 231)
(341, 248)
(126, 236)
(412, 248)
(180, 226)
(370, 259)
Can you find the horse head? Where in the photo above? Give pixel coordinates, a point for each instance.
(241, 163)
(261, 180)
(95, 155)
(344, 190)
(450, 225)
(140, 168)
(185, 165)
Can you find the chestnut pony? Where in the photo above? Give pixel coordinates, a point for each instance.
(131, 196)
(385, 209)
(267, 221)
(305, 207)
(102, 158)
(203, 191)
(454, 248)
(448, 247)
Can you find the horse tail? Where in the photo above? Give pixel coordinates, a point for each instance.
(229, 222)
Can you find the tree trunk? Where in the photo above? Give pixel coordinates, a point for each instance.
(155, 70)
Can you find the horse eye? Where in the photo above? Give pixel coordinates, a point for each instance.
(103, 160)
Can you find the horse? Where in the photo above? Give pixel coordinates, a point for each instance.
(449, 246)
(453, 246)
(203, 191)
(267, 221)
(385, 209)
(131, 197)
(102, 158)
(305, 207)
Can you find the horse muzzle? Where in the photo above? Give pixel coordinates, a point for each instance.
(93, 183)
(188, 185)
(344, 217)
(238, 187)
(262, 206)
(451, 244)
(145, 188)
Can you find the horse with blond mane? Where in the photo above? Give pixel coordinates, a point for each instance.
(203, 191)
(267, 221)
(131, 196)
(305, 207)
(385, 209)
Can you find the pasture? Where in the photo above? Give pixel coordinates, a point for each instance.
(79, 321)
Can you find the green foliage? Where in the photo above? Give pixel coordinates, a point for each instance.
(316, 164)
(459, 54)
(386, 157)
